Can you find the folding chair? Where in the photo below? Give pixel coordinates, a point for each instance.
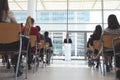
(26, 35)
(47, 52)
(107, 45)
(41, 47)
(10, 39)
(97, 46)
(34, 44)
(116, 50)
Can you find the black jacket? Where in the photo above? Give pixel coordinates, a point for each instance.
(69, 41)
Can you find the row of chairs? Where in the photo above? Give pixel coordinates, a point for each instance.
(42, 49)
(11, 41)
(107, 42)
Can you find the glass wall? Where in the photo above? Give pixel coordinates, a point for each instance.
(79, 21)
(78, 46)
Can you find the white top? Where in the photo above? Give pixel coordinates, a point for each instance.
(111, 31)
(10, 18)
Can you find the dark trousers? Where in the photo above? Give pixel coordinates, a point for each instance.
(15, 47)
(117, 59)
(41, 54)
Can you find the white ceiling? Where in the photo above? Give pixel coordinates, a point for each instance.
(62, 4)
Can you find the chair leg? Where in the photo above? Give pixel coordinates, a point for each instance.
(103, 67)
(100, 67)
(19, 54)
(17, 67)
(36, 63)
(118, 74)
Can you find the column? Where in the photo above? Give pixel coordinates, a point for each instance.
(32, 8)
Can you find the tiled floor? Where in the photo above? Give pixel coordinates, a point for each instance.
(61, 70)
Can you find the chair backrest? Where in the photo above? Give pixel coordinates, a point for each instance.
(107, 40)
(41, 44)
(116, 40)
(97, 44)
(116, 46)
(27, 26)
(46, 45)
(9, 32)
(33, 40)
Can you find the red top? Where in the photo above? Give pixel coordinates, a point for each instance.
(34, 31)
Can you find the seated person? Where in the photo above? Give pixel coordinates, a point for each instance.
(7, 16)
(95, 36)
(113, 28)
(33, 31)
(49, 51)
(41, 38)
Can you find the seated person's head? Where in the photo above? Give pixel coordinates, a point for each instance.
(38, 27)
(46, 33)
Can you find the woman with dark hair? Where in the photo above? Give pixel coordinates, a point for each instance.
(5, 14)
(95, 36)
(113, 28)
(97, 33)
(113, 25)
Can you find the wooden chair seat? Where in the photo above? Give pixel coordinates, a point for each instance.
(97, 45)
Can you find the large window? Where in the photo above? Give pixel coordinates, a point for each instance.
(79, 21)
